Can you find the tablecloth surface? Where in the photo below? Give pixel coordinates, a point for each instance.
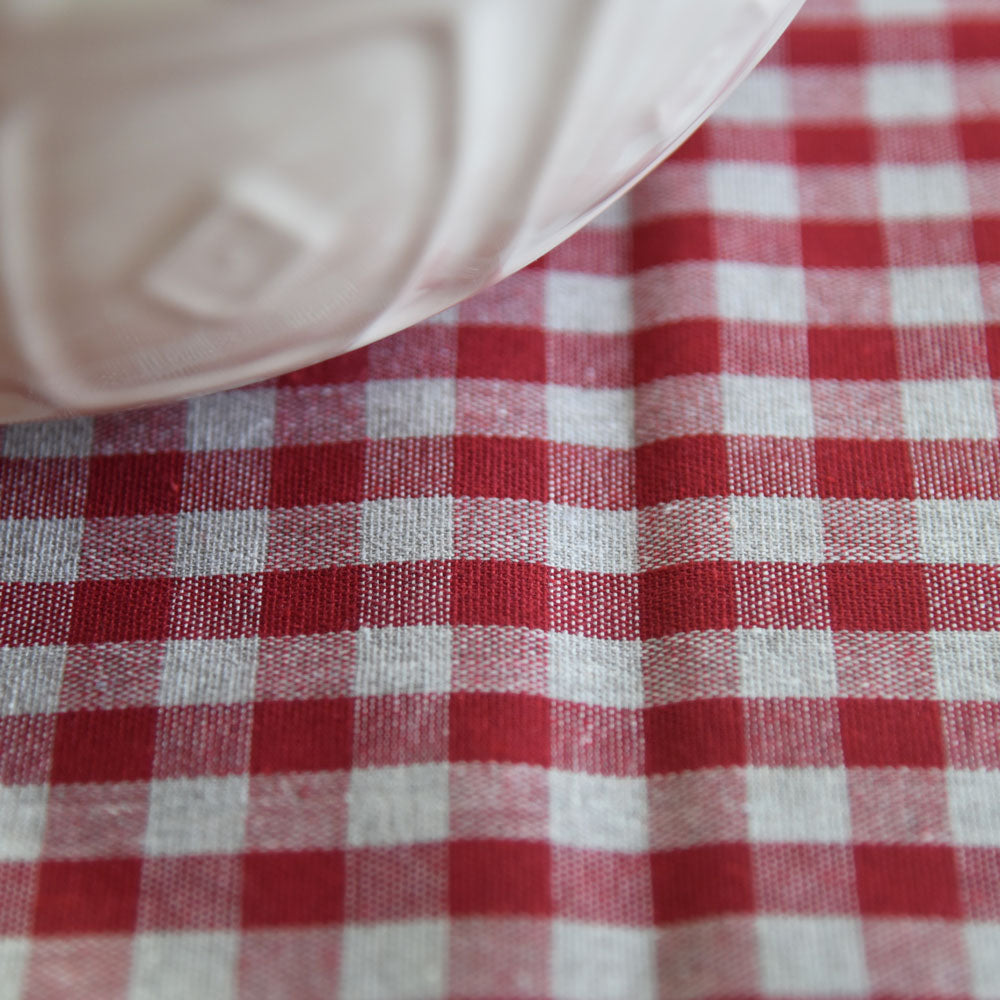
(631, 630)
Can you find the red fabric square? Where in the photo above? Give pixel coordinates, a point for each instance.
(87, 897)
(842, 244)
(307, 475)
(673, 239)
(877, 732)
(980, 138)
(120, 610)
(699, 882)
(687, 736)
(500, 593)
(311, 601)
(694, 147)
(602, 605)
(876, 470)
(843, 353)
(833, 145)
(878, 597)
(684, 348)
(116, 745)
(986, 236)
(975, 38)
(917, 880)
(125, 485)
(680, 467)
(972, 735)
(780, 595)
(33, 614)
(293, 889)
(501, 352)
(315, 735)
(505, 728)
(992, 336)
(824, 44)
(496, 877)
(691, 597)
(350, 367)
(501, 467)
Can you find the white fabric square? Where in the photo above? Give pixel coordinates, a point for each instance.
(48, 439)
(761, 98)
(30, 679)
(770, 407)
(974, 807)
(603, 418)
(595, 962)
(776, 529)
(812, 956)
(941, 411)
(900, 92)
(403, 408)
(958, 531)
(220, 542)
(982, 942)
(911, 191)
(588, 303)
(398, 805)
(229, 421)
(208, 671)
(768, 190)
(798, 805)
(589, 671)
(407, 529)
(885, 10)
(935, 296)
(786, 663)
(13, 961)
(764, 292)
(182, 965)
(589, 540)
(399, 961)
(965, 664)
(412, 659)
(40, 550)
(22, 821)
(598, 812)
(196, 815)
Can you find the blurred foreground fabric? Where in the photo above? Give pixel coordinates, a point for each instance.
(629, 631)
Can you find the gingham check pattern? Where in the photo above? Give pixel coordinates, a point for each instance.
(629, 631)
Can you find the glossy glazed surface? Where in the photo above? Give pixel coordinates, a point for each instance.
(198, 195)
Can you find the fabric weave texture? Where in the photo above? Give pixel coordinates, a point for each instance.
(631, 630)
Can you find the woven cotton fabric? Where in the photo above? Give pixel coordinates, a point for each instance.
(629, 631)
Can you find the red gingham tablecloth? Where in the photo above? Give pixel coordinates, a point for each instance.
(629, 631)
